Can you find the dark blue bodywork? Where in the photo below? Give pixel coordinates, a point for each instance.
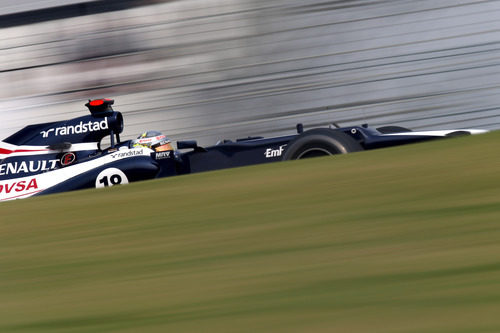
(45, 148)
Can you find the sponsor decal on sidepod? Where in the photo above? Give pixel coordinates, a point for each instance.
(27, 167)
(19, 186)
(27, 186)
(274, 152)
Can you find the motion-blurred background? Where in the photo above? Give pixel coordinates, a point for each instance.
(210, 69)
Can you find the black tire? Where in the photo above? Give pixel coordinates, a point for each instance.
(393, 129)
(457, 134)
(320, 142)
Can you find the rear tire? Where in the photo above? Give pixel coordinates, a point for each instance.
(320, 142)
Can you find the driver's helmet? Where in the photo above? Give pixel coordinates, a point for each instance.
(152, 140)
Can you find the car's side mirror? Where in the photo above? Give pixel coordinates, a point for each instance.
(189, 144)
(60, 146)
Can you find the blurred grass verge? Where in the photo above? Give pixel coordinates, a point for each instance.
(397, 240)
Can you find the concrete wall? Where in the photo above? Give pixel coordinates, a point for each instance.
(211, 69)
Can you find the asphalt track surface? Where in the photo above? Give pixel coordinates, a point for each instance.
(210, 70)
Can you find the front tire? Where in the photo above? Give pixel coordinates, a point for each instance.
(320, 142)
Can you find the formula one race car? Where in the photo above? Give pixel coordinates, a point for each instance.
(69, 155)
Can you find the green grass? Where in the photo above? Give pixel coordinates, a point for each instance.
(395, 240)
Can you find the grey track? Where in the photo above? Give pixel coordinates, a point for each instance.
(210, 69)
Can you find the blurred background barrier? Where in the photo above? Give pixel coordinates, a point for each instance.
(230, 68)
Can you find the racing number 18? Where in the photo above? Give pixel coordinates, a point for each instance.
(115, 180)
(110, 177)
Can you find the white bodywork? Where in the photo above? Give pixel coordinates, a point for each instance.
(24, 187)
(440, 132)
